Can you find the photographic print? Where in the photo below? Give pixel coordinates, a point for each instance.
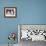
(10, 12)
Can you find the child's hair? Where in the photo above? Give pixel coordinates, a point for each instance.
(8, 11)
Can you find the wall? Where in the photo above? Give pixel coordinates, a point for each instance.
(28, 12)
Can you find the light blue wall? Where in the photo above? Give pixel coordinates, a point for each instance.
(28, 12)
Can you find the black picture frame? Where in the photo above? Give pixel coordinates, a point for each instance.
(11, 10)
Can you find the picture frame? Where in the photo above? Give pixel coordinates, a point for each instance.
(10, 12)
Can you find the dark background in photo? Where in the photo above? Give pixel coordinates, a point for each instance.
(10, 11)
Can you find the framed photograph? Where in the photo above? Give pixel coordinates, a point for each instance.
(10, 12)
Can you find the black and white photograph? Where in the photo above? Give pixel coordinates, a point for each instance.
(10, 12)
